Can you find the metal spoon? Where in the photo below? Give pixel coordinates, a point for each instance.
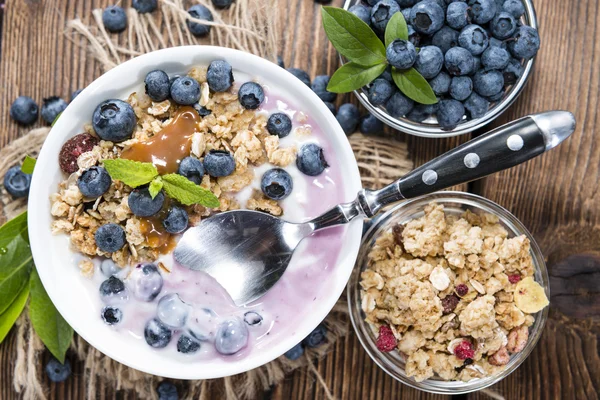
(247, 252)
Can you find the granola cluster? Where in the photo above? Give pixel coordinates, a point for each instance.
(446, 286)
(229, 126)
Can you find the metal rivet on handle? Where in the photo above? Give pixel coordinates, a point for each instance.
(515, 142)
(429, 177)
(471, 160)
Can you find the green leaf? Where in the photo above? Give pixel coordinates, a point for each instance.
(28, 165)
(49, 325)
(414, 86)
(55, 119)
(155, 186)
(131, 173)
(352, 37)
(8, 319)
(16, 261)
(352, 76)
(396, 29)
(187, 192)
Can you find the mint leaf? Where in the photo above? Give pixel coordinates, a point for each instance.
(49, 325)
(28, 165)
(187, 192)
(15, 260)
(55, 119)
(8, 319)
(155, 187)
(396, 29)
(352, 76)
(131, 173)
(352, 37)
(414, 86)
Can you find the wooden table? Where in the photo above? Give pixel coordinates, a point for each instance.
(557, 196)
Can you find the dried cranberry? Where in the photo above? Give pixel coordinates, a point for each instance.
(397, 232)
(72, 149)
(386, 341)
(462, 290)
(449, 303)
(514, 278)
(464, 350)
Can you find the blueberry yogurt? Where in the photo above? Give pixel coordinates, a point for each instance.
(252, 147)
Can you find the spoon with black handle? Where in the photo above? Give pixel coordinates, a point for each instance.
(247, 252)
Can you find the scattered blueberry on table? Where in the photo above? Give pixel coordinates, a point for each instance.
(348, 116)
(222, 3)
(295, 352)
(316, 337)
(56, 371)
(370, 125)
(145, 6)
(52, 107)
(300, 74)
(319, 86)
(114, 19)
(75, 94)
(17, 182)
(24, 110)
(167, 391)
(198, 11)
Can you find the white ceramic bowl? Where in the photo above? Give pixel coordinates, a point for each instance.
(53, 256)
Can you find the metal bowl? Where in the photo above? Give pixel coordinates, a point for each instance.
(430, 127)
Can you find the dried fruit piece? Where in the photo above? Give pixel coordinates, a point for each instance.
(517, 339)
(530, 296)
(464, 350)
(449, 303)
(501, 357)
(72, 149)
(462, 290)
(397, 232)
(515, 278)
(386, 341)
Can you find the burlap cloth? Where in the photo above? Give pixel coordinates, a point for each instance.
(250, 26)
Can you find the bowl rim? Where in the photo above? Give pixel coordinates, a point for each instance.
(361, 327)
(39, 204)
(434, 131)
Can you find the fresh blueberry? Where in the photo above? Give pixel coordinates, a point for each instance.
(114, 120)
(201, 324)
(167, 391)
(158, 85)
(187, 344)
(399, 105)
(407, 3)
(461, 87)
(488, 83)
(348, 117)
(512, 72)
(503, 25)
(201, 110)
(413, 36)
(380, 91)
(110, 238)
(514, 8)
(145, 6)
(142, 204)
(441, 3)
(526, 42)
(279, 124)
(427, 17)
(363, 12)
(331, 107)
(310, 160)
(430, 61)
(496, 97)
(371, 125)
(113, 290)
(94, 182)
(251, 95)
(176, 220)
(421, 112)
(406, 13)
(24, 110)
(111, 315)
(495, 58)
(457, 15)
(146, 282)
(185, 91)
(497, 43)
(372, 2)
(191, 168)
(17, 182)
(109, 268)
(252, 318)
(316, 337)
(114, 19)
(276, 184)
(482, 11)
(319, 86)
(157, 334)
(476, 64)
(280, 62)
(476, 106)
(459, 61)
(450, 113)
(52, 107)
(222, 3)
(473, 38)
(219, 163)
(401, 54)
(300, 74)
(232, 336)
(295, 352)
(445, 39)
(441, 83)
(75, 94)
(172, 311)
(56, 371)
(219, 76)
(381, 13)
(199, 12)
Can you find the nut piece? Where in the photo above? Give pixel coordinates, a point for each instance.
(517, 339)
(439, 279)
(477, 286)
(501, 357)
